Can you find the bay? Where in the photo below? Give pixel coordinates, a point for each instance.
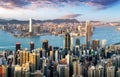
(8, 41)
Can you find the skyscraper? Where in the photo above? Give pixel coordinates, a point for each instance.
(99, 71)
(24, 57)
(31, 46)
(45, 44)
(118, 73)
(95, 44)
(67, 41)
(18, 71)
(104, 43)
(78, 42)
(91, 71)
(18, 46)
(110, 71)
(88, 34)
(71, 47)
(30, 25)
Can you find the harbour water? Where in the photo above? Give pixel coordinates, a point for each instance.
(7, 40)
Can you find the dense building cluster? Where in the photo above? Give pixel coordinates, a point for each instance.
(37, 29)
(91, 59)
(76, 61)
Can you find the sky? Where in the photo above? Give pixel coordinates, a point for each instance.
(96, 10)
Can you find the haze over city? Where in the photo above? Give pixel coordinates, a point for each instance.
(101, 10)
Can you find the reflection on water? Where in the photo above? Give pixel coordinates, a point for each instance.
(7, 41)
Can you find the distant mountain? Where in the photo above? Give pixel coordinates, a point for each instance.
(2, 21)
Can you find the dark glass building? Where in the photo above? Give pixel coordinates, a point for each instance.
(18, 46)
(31, 46)
(67, 41)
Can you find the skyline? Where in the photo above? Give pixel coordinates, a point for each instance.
(101, 10)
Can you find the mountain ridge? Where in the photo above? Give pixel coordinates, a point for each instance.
(14, 21)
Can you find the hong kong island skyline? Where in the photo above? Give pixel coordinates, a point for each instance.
(100, 10)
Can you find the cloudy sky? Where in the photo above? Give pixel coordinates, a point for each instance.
(102, 10)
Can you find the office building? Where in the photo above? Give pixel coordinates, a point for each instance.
(3, 71)
(77, 70)
(18, 46)
(10, 71)
(67, 41)
(24, 57)
(31, 46)
(91, 71)
(25, 70)
(110, 71)
(104, 43)
(72, 41)
(118, 73)
(95, 44)
(63, 70)
(99, 71)
(78, 42)
(88, 34)
(83, 46)
(18, 71)
(30, 25)
(36, 30)
(32, 60)
(45, 44)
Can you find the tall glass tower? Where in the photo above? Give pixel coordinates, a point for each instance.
(88, 34)
(67, 41)
(30, 25)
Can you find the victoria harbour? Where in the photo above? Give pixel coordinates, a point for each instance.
(109, 33)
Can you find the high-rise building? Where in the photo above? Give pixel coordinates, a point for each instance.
(88, 33)
(24, 57)
(18, 71)
(91, 71)
(118, 73)
(18, 46)
(3, 71)
(10, 71)
(71, 47)
(104, 43)
(77, 70)
(77, 42)
(45, 44)
(25, 70)
(30, 25)
(37, 74)
(49, 49)
(56, 55)
(95, 44)
(83, 46)
(63, 70)
(67, 57)
(32, 59)
(67, 41)
(51, 55)
(36, 30)
(110, 71)
(31, 46)
(99, 71)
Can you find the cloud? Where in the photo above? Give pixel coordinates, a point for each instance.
(70, 16)
(54, 3)
(13, 3)
(100, 4)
